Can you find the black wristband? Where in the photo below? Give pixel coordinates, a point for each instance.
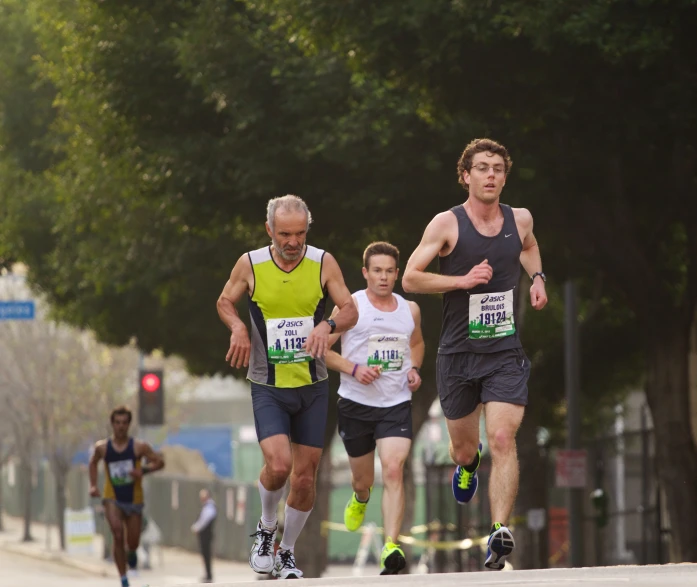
(417, 369)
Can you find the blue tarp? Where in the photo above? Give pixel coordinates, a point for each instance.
(213, 442)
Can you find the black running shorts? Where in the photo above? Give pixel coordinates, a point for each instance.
(467, 379)
(360, 425)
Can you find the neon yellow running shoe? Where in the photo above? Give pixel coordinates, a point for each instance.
(392, 559)
(355, 512)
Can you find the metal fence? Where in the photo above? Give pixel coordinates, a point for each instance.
(624, 517)
(172, 502)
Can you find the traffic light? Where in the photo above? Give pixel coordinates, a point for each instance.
(151, 398)
(599, 500)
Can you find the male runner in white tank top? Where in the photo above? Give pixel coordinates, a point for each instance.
(379, 365)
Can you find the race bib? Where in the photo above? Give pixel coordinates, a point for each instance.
(387, 351)
(120, 472)
(491, 315)
(286, 337)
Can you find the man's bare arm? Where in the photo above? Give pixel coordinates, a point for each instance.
(237, 285)
(155, 460)
(347, 314)
(345, 318)
(241, 281)
(530, 257)
(417, 344)
(435, 238)
(97, 455)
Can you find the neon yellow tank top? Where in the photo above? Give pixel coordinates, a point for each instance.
(284, 308)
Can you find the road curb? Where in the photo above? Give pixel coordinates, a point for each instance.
(56, 557)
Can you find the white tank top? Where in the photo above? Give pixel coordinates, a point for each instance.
(379, 338)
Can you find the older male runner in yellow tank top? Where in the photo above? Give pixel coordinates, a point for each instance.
(286, 285)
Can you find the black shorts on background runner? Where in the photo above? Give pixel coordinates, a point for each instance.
(467, 379)
(360, 425)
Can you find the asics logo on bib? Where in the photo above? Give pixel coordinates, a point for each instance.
(486, 299)
(290, 324)
(388, 338)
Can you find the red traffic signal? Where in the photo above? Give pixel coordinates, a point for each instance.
(150, 382)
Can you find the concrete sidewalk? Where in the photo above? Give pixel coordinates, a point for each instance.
(170, 566)
(169, 562)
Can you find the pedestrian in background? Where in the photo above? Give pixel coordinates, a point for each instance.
(204, 528)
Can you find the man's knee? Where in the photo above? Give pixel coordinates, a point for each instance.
(464, 453)
(118, 535)
(279, 467)
(303, 482)
(393, 472)
(133, 541)
(501, 441)
(363, 481)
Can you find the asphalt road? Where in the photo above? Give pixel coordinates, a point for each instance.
(650, 576)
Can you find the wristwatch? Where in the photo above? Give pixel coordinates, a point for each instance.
(417, 369)
(332, 324)
(542, 275)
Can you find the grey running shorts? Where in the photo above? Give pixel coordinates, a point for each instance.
(126, 509)
(467, 379)
(299, 412)
(360, 425)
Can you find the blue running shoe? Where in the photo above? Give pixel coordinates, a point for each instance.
(501, 544)
(464, 482)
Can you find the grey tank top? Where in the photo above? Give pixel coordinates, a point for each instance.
(491, 328)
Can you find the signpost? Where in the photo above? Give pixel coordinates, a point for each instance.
(571, 469)
(17, 310)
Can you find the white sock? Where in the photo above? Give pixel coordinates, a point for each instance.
(293, 525)
(269, 505)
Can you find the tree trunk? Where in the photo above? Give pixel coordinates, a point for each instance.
(61, 476)
(2, 505)
(26, 474)
(667, 390)
(421, 403)
(311, 550)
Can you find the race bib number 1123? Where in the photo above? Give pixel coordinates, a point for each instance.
(491, 315)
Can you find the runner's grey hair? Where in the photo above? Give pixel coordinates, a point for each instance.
(289, 203)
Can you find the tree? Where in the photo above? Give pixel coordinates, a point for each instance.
(55, 380)
(597, 101)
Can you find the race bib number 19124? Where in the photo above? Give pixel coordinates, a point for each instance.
(491, 315)
(286, 337)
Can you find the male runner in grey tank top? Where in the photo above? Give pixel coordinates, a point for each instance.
(481, 245)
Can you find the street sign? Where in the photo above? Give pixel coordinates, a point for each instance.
(17, 310)
(536, 519)
(571, 468)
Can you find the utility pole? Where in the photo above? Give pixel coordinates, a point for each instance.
(573, 417)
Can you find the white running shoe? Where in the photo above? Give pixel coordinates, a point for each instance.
(261, 557)
(501, 544)
(285, 565)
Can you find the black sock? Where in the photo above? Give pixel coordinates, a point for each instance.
(360, 500)
(472, 467)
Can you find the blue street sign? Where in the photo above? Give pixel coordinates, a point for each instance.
(16, 310)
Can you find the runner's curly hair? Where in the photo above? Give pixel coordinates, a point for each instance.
(480, 146)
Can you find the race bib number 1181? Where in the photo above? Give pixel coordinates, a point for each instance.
(491, 315)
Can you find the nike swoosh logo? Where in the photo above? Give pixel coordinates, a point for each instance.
(286, 280)
(507, 235)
